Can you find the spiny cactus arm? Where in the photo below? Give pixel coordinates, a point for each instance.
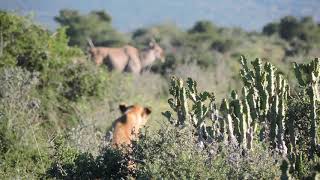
(241, 122)
(173, 104)
(285, 175)
(314, 83)
(243, 62)
(222, 124)
(314, 98)
(246, 107)
(257, 66)
(315, 64)
(200, 111)
(234, 111)
(247, 115)
(298, 73)
(253, 108)
(272, 116)
(168, 115)
(280, 122)
(270, 78)
(292, 137)
(192, 87)
(214, 119)
(185, 116)
(246, 74)
(224, 108)
(243, 131)
(313, 130)
(173, 90)
(264, 102)
(260, 84)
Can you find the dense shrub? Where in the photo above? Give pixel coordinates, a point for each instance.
(170, 153)
(174, 154)
(301, 33)
(270, 29)
(68, 163)
(31, 46)
(222, 46)
(22, 144)
(84, 80)
(17, 107)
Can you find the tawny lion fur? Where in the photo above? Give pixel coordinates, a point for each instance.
(126, 128)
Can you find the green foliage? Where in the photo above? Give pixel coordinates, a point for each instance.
(64, 73)
(84, 80)
(174, 153)
(32, 47)
(191, 108)
(270, 29)
(68, 163)
(21, 40)
(263, 106)
(80, 28)
(203, 27)
(298, 115)
(222, 46)
(308, 77)
(21, 143)
(17, 107)
(289, 27)
(244, 113)
(302, 34)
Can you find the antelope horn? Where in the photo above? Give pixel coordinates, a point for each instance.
(153, 40)
(90, 43)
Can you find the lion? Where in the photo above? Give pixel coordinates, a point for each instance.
(127, 58)
(127, 127)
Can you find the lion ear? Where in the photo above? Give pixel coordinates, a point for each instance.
(123, 107)
(147, 110)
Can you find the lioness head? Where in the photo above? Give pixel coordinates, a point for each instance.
(158, 51)
(126, 127)
(141, 113)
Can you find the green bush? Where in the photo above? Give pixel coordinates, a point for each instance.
(31, 46)
(84, 80)
(23, 151)
(174, 153)
(18, 108)
(68, 163)
(222, 46)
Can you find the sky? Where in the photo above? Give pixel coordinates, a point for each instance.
(128, 15)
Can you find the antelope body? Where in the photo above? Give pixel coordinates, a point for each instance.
(127, 58)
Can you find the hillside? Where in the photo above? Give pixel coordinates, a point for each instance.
(129, 15)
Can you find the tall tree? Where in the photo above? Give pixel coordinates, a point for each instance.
(96, 25)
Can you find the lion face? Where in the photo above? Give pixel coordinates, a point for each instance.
(127, 127)
(141, 113)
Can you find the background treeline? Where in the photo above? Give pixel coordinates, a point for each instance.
(56, 106)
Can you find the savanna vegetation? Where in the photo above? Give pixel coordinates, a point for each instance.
(230, 119)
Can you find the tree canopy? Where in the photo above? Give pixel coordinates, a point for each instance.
(96, 25)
